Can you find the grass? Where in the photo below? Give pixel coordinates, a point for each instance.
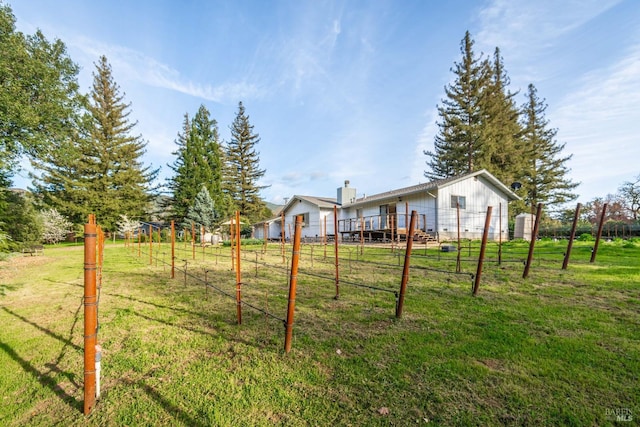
(561, 347)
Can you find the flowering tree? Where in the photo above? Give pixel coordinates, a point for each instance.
(55, 226)
(127, 226)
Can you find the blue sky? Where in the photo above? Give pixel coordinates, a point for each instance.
(348, 89)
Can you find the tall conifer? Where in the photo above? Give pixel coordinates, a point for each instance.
(458, 146)
(121, 184)
(545, 175)
(243, 168)
(501, 130)
(98, 168)
(199, 161)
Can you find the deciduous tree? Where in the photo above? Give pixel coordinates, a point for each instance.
(54, 226)
(629, 192)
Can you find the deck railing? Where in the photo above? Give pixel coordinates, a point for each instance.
(381, 223)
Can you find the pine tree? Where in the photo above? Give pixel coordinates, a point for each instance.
(203, 211)
(199, 161)
(501, 130)
(65, 176)
(545, 176)
(121, 183)
(242, 168)
(459, 142)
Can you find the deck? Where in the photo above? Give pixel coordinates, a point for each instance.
(383, 228)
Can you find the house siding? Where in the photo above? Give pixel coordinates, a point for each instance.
(423, 203)
(479, 193)
(315, 226)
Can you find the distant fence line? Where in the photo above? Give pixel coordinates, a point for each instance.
(610, 230)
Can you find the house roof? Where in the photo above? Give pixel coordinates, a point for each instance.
(435, 185)
(321, 202)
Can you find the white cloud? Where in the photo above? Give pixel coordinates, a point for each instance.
(511, 23)
(597, 120)
(136, 66)
(528, 31)
(424, 143)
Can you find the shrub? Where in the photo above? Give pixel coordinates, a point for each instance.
(586, 237)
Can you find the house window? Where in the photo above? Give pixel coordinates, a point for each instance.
(461, 200)
(305, 219)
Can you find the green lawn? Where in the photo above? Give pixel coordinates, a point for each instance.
(561, 347)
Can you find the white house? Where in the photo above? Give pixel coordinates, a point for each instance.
(441, 205)
(317, 215)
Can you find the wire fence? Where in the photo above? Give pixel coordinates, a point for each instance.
(262, 272)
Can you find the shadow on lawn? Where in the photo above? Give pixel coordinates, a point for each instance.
(169, 407)
(45, 378)
(65, 341)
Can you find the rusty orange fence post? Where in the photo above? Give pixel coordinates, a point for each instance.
(361, 235)
(265, 234)
(336, 252)
(532, 244)
(238, 272)
(293, 282)
(100, 255)
(282, 235)
(232, 240)
(572, 236)
(150, 244)
(458, 266)
(483, 248)
(90, 314)
(193, 240)
(173, 249)
(139, 241)
(324, 237)
(407, 261)
(500, 234)
(595, 246)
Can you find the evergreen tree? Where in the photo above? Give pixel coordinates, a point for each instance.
(182, 166)
(242, 168)
(22, 222)
(545, 175)
(459, 143)
(203, 211)
(501, 130)
(199, 161)
(65, 177)
(122, 184)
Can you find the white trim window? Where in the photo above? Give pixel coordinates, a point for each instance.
(461, 200)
